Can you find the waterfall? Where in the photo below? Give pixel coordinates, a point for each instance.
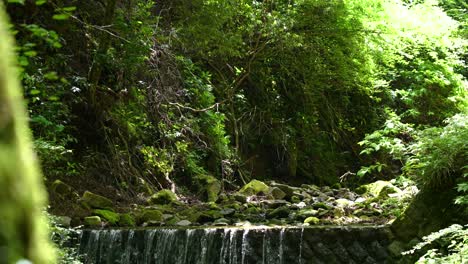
(253, 245)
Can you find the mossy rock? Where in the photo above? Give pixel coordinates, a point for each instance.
(150, 216)
(240, 197)
(253, 210)
(92, 221)
(377, 189)
(307, 212)
(184, 223)
(209, 186)
(95, 201)
(254, 187)
(60, 188)
(164, 196)
(288, 190)
(312, 220)
(277, 193)
(280, 212)
(127, 220)
(173, 221)
(109, 216)
(295, 199)
(321, 205)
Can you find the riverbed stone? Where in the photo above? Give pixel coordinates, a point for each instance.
(184, 223)
(277, 193)
(96, 201)
(280, 212)
(227, 211)
(254, 187)
(164, 196)
(222, 222)
(304, 213)
(344, 203)
(273, 204)
(288, 190)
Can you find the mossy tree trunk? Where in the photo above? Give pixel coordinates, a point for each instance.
(23, 231)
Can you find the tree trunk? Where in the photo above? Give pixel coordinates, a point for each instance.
(23, 231)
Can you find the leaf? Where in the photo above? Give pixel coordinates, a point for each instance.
(69, 8)
(52, 76)
(21, 2)
(34, 92)
(30, 53)
(62, 16)
(40, 2)
(53, 98)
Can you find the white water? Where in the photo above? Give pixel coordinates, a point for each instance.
(191, 246)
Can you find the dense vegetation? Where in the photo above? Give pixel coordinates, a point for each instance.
(130, 97)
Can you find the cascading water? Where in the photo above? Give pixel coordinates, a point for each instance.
(235, 245)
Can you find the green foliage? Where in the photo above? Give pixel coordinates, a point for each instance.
(387, 146)
(440, 154)
(448, 245)
(62, 237)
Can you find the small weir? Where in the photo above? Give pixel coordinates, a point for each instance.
(234, 245)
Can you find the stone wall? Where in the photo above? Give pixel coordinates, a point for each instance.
(238, 245)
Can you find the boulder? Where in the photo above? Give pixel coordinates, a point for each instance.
(164, 196)
(288, 190)
(150, 215)
(280, 212)
(221, 222)
(95, 201)
(274, 203)
(304, 213)
(173, 221)
(277, 193)
(239, 197)
(58, 187)
(109, 216)
(344, 203)
(227, 211)
(184, 223)
(321, 205)
(209, 186)
(379, 189)
(92, 221)
(254, 187)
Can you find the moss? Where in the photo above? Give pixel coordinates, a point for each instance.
(96, 201)
(61, 188)
(109, 216)
(163, 197)
(254, 187)
(377, 189)
(312, 220)
(150, 215)
(23, 229)
(209, 186)
(92, 221)
(127, 220)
